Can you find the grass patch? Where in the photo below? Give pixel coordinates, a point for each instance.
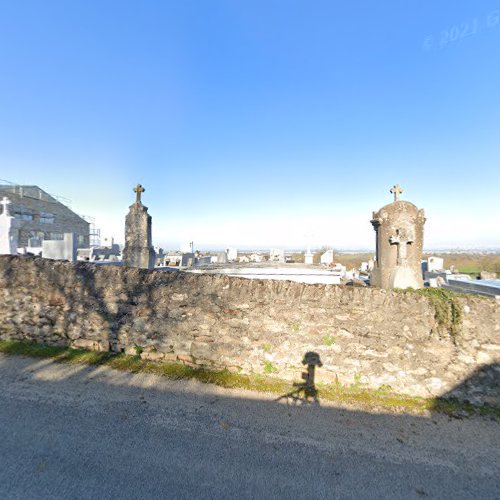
(269, 367)
(328, 339)
(60, 354)
(383, 398)
(469, 270)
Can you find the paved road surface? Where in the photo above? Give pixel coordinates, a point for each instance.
(83, 432)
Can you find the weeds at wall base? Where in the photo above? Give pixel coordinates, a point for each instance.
(383, 398)
(447, 308)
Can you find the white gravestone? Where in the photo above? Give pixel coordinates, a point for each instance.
(309, 256)
(9, 230)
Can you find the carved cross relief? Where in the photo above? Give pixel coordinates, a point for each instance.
(402, 238)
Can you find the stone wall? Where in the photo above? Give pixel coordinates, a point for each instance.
(364, 336)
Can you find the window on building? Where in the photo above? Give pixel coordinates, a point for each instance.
(56, 236)
(46, 218)
(24, 216)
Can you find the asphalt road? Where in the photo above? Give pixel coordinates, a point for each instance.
(82, 432)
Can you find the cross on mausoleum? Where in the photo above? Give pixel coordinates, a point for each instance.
(401, 240)
(396, 191)
(5, 204)
(138, 190)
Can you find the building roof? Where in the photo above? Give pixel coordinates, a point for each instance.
(35, 198)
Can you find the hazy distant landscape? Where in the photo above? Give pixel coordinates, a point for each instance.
(472, 263)
(469, 263)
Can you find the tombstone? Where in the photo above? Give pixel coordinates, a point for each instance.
(138, 251)
(327, 258)
(232, 254)
(205, 260)
(487, 275)
(187, 260)
(34, 242)
(9, 230)
(309, 256)
(65, 249)
(399, 228)
(435, 264)
(222, 258)
(277, 255)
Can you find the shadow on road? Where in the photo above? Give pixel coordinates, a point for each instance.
(305, 392)
(74, 425)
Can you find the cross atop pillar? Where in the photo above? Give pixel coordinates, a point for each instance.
(396, 191)
(5, 204)
(138, 190)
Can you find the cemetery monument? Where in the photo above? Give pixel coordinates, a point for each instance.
(138, 251)
(399, 228)
(9, 230)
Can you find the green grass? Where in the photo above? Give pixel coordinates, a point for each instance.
(328, 340)
(469, 270)
(269, 367)
(383, 398)
(266, 347)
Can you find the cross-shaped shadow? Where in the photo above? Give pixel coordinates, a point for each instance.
(305, 392)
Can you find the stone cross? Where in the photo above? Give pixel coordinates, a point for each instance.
(396, 191)
(401, 241)
(138, 190)
(5, 203)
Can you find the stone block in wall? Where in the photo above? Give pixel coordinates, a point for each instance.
(203, 350)
(152, 355)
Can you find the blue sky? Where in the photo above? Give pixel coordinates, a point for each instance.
(257, 123)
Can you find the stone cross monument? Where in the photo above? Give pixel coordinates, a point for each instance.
(9, 230)
(399, 228)
(138, 251)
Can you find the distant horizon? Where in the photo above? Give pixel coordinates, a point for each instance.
(342, 250)
(118, 235)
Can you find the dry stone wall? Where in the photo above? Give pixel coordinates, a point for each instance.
(364, 336)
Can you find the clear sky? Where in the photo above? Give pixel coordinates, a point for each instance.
(257, 123)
